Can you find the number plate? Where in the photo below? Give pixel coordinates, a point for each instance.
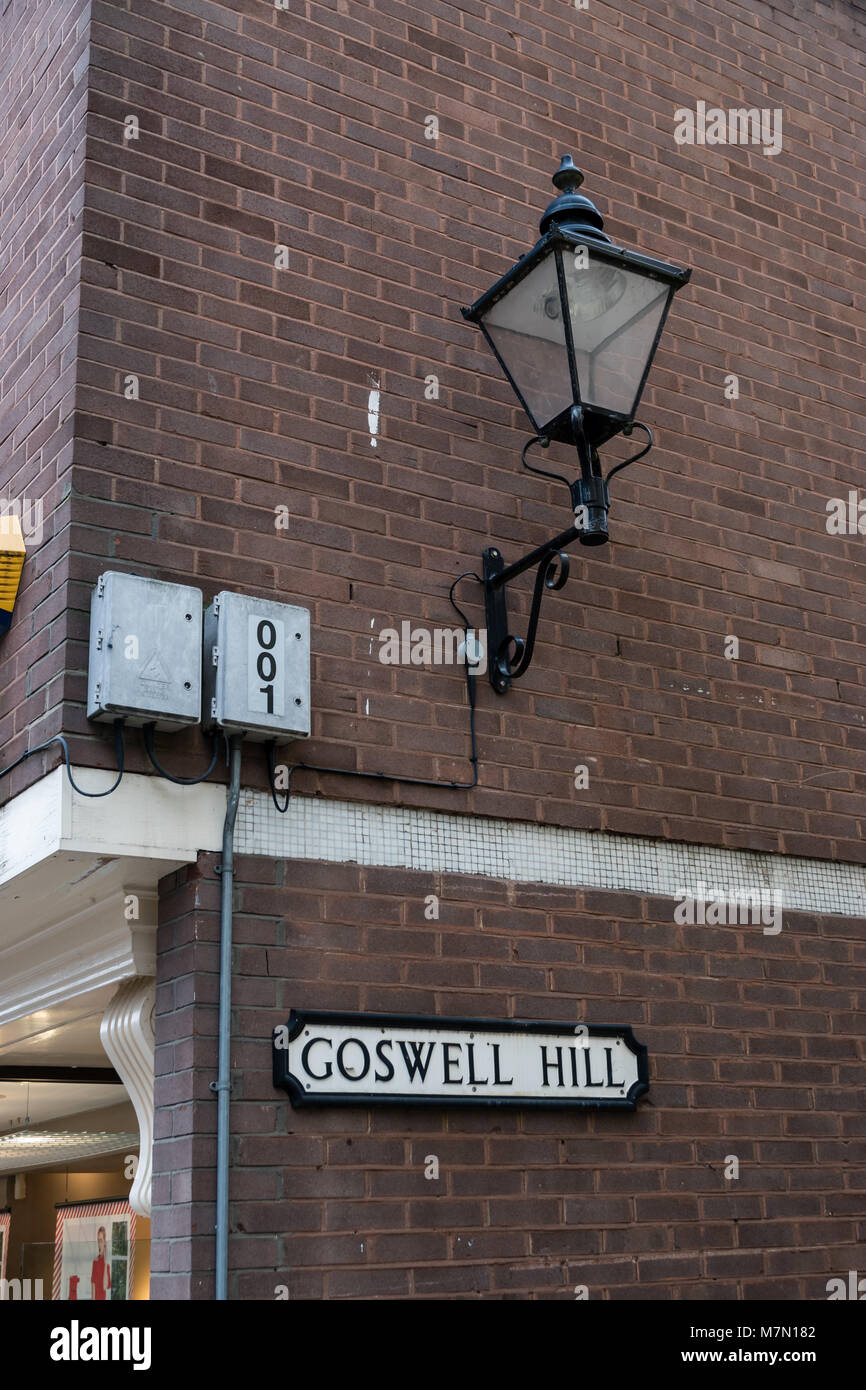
(260, 675)
(266, 665)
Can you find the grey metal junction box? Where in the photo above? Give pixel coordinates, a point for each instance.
(145, 652)
(256, 676)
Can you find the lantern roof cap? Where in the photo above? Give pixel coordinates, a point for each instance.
(572, 211)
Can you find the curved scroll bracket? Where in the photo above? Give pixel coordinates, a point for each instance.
(510, 655)
(626, 463)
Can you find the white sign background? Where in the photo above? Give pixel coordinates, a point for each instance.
(366, 1059)
(273, 661)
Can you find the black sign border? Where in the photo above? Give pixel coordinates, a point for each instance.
(299, 1018)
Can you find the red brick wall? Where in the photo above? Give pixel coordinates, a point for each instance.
(753, 1045)
(306, 128)
(43, 97)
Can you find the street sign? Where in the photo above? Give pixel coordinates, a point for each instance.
(324, 1058)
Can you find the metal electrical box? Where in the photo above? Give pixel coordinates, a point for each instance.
(145, 652)
(256, 677)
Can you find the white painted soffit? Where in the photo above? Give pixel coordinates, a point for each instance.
(145, 818)
(47, 1101)
(39, 1149)
(148, 818)
(88, 942)
(66, 1034)
(78, 880)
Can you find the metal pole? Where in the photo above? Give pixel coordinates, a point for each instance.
(222, 1085)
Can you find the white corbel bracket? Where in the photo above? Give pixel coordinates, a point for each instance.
(126, 1033)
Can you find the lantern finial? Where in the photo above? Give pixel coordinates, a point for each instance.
(571, 210)
(567, 176)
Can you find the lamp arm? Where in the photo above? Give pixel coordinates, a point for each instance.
(509, 656)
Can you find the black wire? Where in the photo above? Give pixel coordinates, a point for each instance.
(58, 738)
(467, 574)
(387, 776)
(147, 733)
(271, 751)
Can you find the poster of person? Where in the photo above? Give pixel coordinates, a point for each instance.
(5, 1222)
(94, 1251)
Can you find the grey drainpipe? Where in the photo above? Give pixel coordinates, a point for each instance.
(222, 1085)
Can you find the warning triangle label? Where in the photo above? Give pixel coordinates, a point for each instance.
(154, 672)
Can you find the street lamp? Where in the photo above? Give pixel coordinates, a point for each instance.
(574, 325)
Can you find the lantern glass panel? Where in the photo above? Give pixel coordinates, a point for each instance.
(525, 327)
(615, 313)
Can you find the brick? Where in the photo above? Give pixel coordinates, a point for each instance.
(157, 257)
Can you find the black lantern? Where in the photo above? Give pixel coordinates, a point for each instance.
(574, 325)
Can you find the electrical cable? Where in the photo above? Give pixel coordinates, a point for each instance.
(386, 776)
(59, 738)
(147, 734)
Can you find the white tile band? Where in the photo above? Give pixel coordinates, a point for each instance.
(435, 842)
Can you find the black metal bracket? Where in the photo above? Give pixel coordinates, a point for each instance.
(552, 573)
(509, 656)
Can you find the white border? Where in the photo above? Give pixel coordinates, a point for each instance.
(435, 842)
(149, 819)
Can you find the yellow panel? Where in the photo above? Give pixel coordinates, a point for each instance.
(11, 536)
(12, 555)
(9, 579)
